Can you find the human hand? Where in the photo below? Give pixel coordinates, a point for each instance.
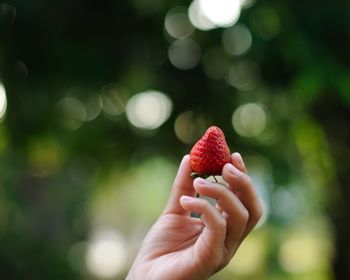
(180, 247)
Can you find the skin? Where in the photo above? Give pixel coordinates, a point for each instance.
(180, 247)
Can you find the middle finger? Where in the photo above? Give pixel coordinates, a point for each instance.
(234, 211)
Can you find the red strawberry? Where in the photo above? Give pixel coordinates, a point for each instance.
(209, 155)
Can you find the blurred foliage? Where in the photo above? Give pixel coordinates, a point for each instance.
(72, 160)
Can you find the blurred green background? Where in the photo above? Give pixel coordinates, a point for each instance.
(99, 101)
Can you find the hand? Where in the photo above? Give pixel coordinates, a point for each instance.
(180, 247)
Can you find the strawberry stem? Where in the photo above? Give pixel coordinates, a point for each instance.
(194, 175)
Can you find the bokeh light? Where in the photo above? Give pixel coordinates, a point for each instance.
(246, 3)
(89, 98)
(249, 119)
(114, 98)
(222, 13)
(184, 54)
(198, 18)
(244, 75)
(72, 112)
(177, 23)
(3, 102)
(106, 255)
(45, 157)
(149, 109)
(207, 14)
(250, 257)
(289, 202)
(189, 127)
(93, 106)
(237, 39)
(302, 250)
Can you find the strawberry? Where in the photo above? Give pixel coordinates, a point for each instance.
(209, 155)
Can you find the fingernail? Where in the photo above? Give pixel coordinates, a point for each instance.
(202, 181)
(240, 160)
(187, 198)
(233, 170)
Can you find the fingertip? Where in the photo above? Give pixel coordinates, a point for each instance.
(186, 202)
(236, 155)
(230, 169)
(237, 160)
(200, 181)
(231, 174)
(185, 161)
(186, 198)
(185, 170)
(186, 158)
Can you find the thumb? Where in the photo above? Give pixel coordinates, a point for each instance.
(183, 185)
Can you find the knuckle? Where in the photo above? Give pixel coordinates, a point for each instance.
(230, 178)
(204, 203)
(221, 222)
(244, 216)
(223, 191)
